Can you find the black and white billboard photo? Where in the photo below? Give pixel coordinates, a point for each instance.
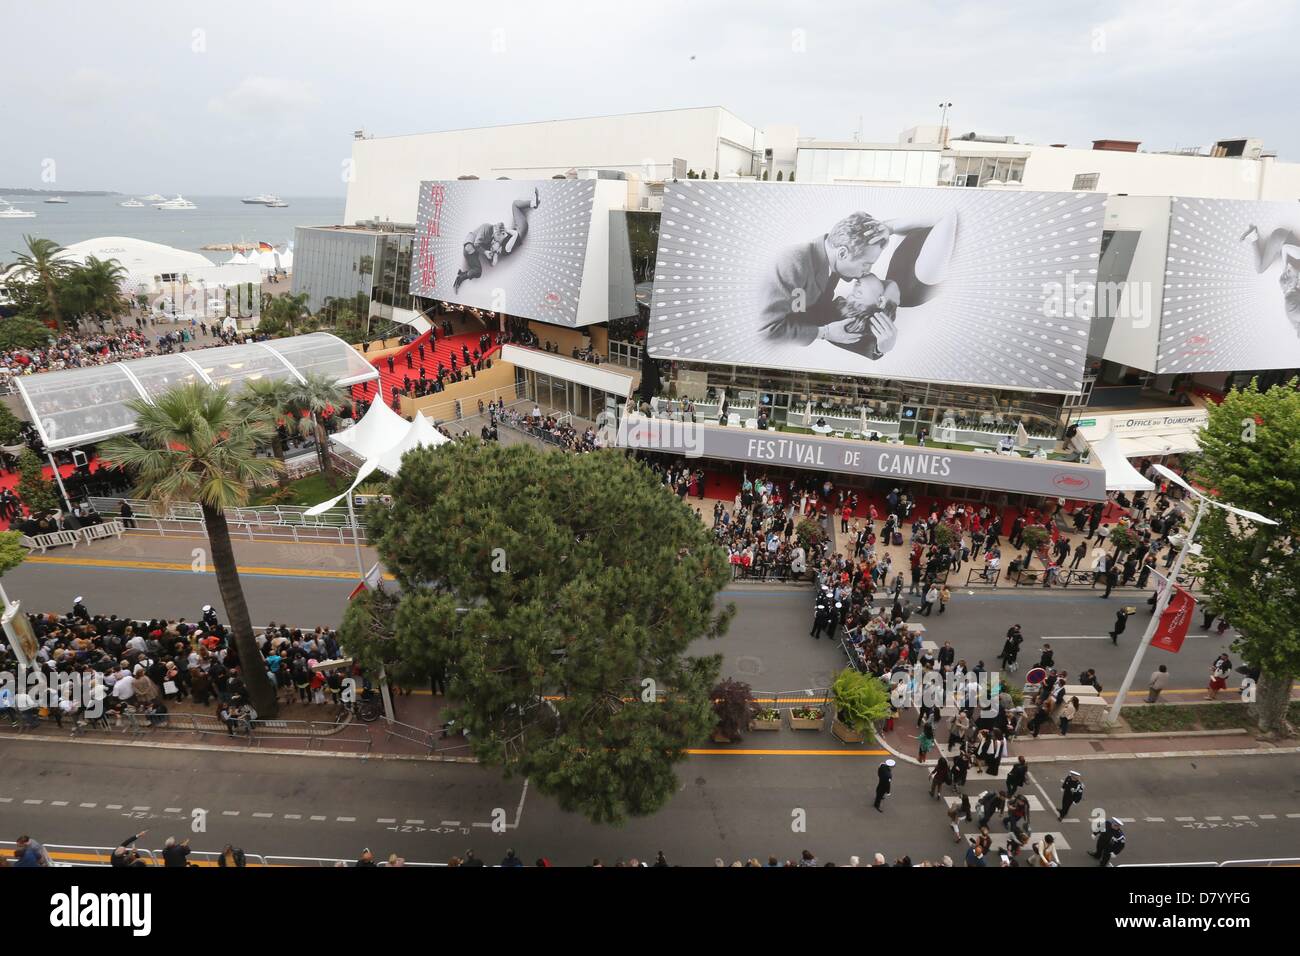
(944, 285)
(1232, 287)
(504, 245)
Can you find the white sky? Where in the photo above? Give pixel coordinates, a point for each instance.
(263, 95)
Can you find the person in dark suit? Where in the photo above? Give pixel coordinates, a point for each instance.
(884, 782)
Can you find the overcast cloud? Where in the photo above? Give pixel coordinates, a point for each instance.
(229, 98)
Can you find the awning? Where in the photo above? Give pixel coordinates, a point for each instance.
(1120, 475)
(1150, 446)
(386, 458)
(600, 377)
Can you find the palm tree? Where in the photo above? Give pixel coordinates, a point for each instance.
(102, 281)
(309, 402)
(195, 444)
(267, 399)
(41, 263)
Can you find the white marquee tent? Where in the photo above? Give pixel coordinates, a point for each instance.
(1120, 475)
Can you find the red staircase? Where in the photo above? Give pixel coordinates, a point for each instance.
(435, 351)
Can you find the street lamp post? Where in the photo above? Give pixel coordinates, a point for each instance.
(1167, 594)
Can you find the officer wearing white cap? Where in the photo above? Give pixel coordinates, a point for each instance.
(209, 616)
(884, 782)
(1071, 792)
(79, 610)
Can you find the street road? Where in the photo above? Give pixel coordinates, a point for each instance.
(1183, 810)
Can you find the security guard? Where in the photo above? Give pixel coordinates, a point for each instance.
(822, 616)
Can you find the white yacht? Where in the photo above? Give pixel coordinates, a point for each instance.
(180, 202)
(266, 199)
(57, 199)
(278, 204)
(132, 204)
(12, 212)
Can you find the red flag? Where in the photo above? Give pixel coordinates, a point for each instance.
(1174, 622)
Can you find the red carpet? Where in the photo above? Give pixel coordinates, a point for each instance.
(439, 350)
(9, 479)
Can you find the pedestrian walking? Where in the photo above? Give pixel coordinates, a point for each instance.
(1018, 775)
(928, 602)
(938, 776)
(1071, 792)
(1110, 843)
(991, 803)
(884, 782)
(944, 597)
(925, 742)
(1121, 621)
(1219, 672)
(1112, 579)
(1158, 682)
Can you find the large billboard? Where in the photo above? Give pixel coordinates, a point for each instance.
(1232, 287)
(506, 245)
(972, 286)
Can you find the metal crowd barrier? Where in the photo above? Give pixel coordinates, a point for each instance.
(253, 733)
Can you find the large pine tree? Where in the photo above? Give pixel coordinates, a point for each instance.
(561, 593)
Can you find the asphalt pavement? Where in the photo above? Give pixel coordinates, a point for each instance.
(1207, 809)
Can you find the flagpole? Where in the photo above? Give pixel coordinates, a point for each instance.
(1161, 604)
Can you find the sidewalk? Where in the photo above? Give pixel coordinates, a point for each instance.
(1051, 747)
(138, 549)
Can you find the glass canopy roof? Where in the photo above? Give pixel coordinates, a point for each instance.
(83, 405)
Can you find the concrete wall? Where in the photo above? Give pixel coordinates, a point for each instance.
(491, 383)
(387, 171)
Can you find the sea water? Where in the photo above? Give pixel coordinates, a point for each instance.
(218, 219)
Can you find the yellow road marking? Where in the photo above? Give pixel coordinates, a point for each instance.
(178, 566)
(240, 538)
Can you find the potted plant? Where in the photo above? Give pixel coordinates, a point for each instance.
(809, 533)
(807, 718)
(766, 718)
(733, 703)
(859, 700)
(1034, 537)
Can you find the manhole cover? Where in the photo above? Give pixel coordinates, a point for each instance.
(749, 665)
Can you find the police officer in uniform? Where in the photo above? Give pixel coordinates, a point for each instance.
(79, 610)
(1110, 842)
(822, 616)
(1071, 792)
(209, 617)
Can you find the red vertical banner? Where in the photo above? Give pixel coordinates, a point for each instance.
(1174, 622)
(426, 261)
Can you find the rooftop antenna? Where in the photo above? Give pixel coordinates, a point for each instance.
(857, 133)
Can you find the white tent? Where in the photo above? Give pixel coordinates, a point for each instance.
(269, 261)
(420, 434)
(1120, 475)
(286, 260)
(380, 429)
(387, 458)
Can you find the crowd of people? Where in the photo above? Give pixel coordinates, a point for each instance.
(421, 377)
(99, 668)
(549, 428)
(71, 349)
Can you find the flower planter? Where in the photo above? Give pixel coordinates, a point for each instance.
(807, 723)
(759, 723)
(844, 733)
